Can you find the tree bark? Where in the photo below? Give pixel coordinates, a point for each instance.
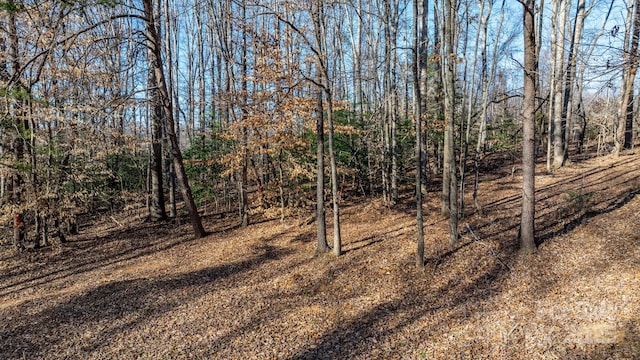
(242, 181)
(321, 223)
(553, 79)
(480, 45)
(527, 240)
(391, 95)
(318, 19)
(335, 195)
(18, 141)
(155, 61)
(419, 19)
(570, 83)
(157, 210)
(631, 68)
(559, 123)
(450, 57)
(423, 82)
(440, 114)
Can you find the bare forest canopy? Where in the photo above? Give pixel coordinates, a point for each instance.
(284, 108)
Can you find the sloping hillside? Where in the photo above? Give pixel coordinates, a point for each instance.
(127, 289)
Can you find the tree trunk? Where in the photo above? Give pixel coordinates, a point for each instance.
(570, 83)
(181, 175)
(559, 123)
(440, 113)
(170, 38)
(423, 80)
(318, 19)
(335, 195)
(450, 58)
(242, 185)
(487, 76)
(631, 68)
(3, 189)
(157, 210)
(527, 240)
(242, 181)
(480, 45)
(391, 95)
(321, 223)
(552, 82)
(18, 141)
(418, 88)
(199, 11)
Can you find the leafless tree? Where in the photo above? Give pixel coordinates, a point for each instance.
(527, 229)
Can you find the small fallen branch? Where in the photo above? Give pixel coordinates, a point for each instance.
(116, 221)
(489, 248)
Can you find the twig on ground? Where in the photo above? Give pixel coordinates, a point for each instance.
(489, 248)
(116, 221)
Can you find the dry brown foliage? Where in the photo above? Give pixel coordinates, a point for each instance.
(149, 291)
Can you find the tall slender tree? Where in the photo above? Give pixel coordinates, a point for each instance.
(449, 59)
(624, 133)
(559, 123)
(243, 176)
(321, 224)
(319, 23)
(419, 38)
(157, 209)
(570, 77)
(20, 126)
(527, 228)
(155, 62)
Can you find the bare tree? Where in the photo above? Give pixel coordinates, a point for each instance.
(390, 117)
(157, 210)
(419, 39)
(155, 61)
(570, 77)
(321, 223)
(12, 80)
(559, 123)
(449, 59)
(243, 178)
(319, 23)
(624, 133)
(527, 239)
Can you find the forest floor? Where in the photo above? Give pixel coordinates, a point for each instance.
(125, 289)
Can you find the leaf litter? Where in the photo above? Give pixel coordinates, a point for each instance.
(149, 291)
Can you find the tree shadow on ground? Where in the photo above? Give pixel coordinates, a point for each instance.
(381, 331)
(564, 205)
(578, 215)
(121, 306)
(118, 306)
(305, 237)
(353, 337)
(87, 252)
(374, 328)
(363, 243)
(559, 187)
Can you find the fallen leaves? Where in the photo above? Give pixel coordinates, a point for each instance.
(151, 292)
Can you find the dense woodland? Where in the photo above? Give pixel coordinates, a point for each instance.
(282, 109)
(319, 179)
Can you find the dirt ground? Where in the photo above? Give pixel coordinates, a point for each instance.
(127, 289)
